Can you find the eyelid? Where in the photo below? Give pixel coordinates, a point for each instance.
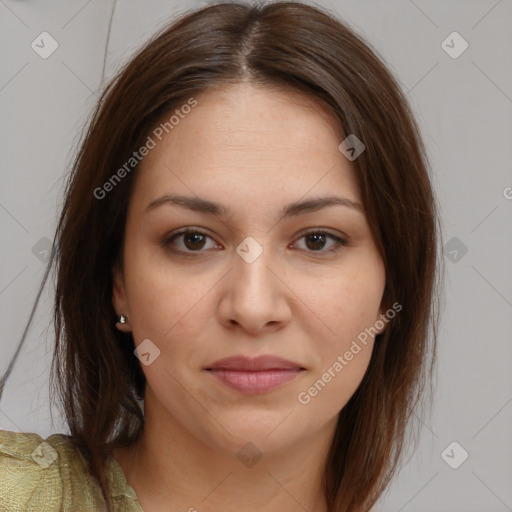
(183, 231)
(341, 240)
(326, 231)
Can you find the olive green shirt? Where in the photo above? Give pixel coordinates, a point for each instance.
(50, 475)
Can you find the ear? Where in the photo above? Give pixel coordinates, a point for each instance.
(119, 297)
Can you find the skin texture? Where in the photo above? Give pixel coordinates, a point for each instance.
(254, 150)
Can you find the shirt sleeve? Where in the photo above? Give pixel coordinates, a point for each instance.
(29, 474)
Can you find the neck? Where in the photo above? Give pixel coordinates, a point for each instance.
(171, 469)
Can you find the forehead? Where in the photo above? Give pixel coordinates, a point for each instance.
(248, 143)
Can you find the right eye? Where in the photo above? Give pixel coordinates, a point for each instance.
(192, 241)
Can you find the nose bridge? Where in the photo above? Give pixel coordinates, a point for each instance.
(251, 266)
(254, 296)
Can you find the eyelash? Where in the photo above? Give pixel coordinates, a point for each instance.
(340, 242)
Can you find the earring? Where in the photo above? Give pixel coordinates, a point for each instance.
(122, 324)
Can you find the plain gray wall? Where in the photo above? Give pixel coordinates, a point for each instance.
(464, 108)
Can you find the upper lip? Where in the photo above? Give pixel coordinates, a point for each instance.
(254, 364)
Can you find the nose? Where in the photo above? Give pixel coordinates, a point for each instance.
(256, 296)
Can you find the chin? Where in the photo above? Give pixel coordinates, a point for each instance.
(248, 438)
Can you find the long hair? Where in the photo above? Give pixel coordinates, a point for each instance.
(281, 44)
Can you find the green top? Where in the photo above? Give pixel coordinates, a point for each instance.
(50, 475)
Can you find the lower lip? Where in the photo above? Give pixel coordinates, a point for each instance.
(255, 382)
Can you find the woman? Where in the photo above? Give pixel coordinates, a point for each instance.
(248, 249)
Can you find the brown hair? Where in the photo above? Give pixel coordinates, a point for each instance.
(283, 44)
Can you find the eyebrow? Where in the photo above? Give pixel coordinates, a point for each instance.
(295, 209)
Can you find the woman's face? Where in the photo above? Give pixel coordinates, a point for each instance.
(250, 281)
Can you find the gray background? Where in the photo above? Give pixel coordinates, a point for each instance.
(464, 108)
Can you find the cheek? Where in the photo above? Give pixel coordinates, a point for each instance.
(348, 306)
(165, 300)
(349, 312)
(327, 393)
(170, 311)
(345, 304)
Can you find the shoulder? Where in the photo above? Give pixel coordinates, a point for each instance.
(28, 475)
(43, 474)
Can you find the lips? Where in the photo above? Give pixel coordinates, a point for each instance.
(254, 375)
(257, 364)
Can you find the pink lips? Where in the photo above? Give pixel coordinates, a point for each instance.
(255, 375)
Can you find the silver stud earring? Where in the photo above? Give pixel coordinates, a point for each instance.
(122, 319)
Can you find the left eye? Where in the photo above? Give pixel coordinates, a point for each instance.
(319, 238)
(194, 241)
